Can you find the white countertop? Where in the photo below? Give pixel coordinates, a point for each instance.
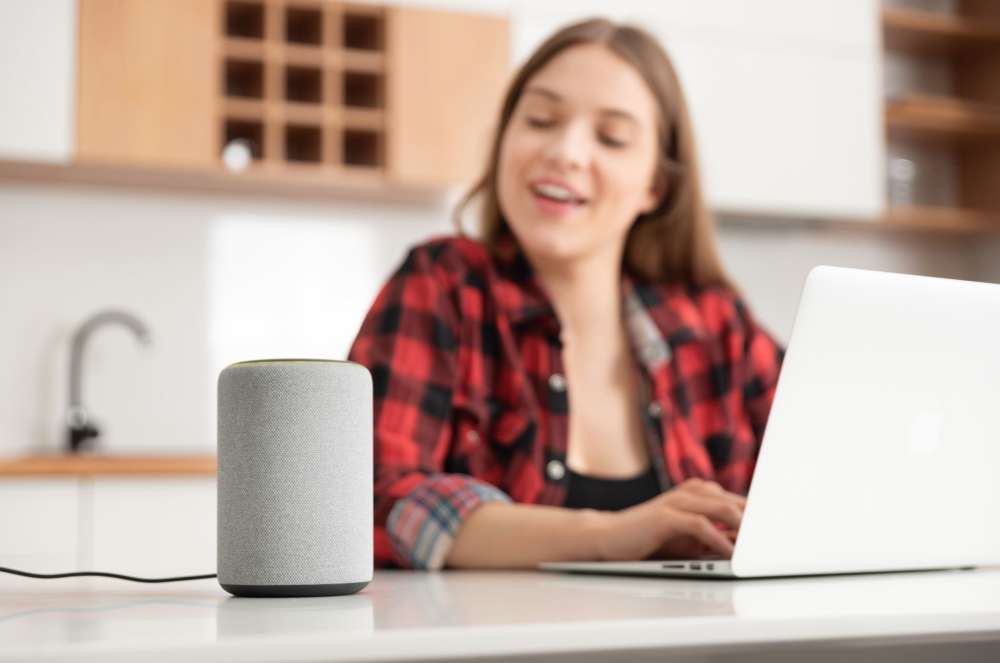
(403, 615)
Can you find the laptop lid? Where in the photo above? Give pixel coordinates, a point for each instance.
(882, 450)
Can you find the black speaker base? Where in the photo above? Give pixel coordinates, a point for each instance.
(277, 591)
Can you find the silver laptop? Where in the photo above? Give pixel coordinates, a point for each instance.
(882, 450)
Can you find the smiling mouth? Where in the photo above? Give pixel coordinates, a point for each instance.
(557, 194)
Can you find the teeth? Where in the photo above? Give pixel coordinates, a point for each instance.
(554, 191)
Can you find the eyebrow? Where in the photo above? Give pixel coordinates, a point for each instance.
(550, 94)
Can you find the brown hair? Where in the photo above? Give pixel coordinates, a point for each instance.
(675, 241)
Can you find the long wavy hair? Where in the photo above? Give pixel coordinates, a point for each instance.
(676, 240)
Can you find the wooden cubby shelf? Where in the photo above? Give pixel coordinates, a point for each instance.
(304, 25)
(244, 78)
(364, 29)
(317, 69)
(301, 96)
(245, 19)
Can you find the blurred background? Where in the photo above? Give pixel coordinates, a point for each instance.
(236, 178)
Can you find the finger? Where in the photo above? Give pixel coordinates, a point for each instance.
(703, 487)
(715, 507)
(701, 529)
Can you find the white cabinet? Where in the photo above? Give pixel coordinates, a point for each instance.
(40, 521)
(784, 95)
(145, 525)
(781, 131)
(37, 79)
(152, 526)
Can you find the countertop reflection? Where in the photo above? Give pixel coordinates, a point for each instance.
(476, 612)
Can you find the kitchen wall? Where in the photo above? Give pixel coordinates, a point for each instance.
(219, 278)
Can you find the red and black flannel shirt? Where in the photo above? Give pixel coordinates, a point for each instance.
(471, 403)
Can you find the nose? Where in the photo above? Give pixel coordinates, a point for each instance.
(569, 146)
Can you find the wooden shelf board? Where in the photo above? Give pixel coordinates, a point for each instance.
(303, 113)
(314, 56)
(943, 219)
(908, 220)
(297, 54)
(244, 109)
(363, 118)
(278, 179)
(82, 465)
(930, 33)
(242, 48)
(363, 61)
(942, 118)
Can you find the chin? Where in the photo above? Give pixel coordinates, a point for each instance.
(554, 244)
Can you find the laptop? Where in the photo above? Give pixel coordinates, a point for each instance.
(882, 449)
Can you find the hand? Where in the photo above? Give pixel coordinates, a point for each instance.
(683, 522)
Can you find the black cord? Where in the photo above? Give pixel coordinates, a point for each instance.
(46, 576)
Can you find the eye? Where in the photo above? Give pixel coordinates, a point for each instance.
(540, 122)
(611, 141)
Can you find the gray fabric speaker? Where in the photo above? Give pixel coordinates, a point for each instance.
(295, 478)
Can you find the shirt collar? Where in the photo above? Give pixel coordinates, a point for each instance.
(520, 293)
(658, 316)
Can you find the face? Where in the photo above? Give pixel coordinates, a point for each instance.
(577, 158)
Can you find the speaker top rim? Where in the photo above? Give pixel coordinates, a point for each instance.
(258, 362)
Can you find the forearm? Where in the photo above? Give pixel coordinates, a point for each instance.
(505, 535)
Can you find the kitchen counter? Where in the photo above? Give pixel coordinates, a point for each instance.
(88, 465)
(408, 616)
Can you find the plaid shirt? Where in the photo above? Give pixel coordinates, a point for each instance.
(470, 394)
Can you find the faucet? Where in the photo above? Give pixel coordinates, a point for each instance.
(81, 427)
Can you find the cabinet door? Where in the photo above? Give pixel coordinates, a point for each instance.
(782, 131)
(40, 521)
(153, 526)
(446, 73)
(147, 82)
(37, 67)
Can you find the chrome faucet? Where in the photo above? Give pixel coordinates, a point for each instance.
(80, 425)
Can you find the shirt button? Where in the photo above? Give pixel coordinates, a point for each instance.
(557, 382)
(655, 409)
(556, 470)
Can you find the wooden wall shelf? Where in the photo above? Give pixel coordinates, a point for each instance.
(942, 117)
(943, 127)
(930, 33)
(87, 465)
(294, 182)
(944, 219)
(309, 64)
(327, 85)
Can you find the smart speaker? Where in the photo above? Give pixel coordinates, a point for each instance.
(295, 478)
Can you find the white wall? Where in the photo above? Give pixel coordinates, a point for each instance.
(770, 261)
(38, 60)
(216, 280)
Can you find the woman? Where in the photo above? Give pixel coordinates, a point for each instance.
(582, 382)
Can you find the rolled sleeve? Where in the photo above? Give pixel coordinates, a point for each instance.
(422, 526)
(411, 342)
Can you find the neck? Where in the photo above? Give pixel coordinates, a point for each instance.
(586, 294)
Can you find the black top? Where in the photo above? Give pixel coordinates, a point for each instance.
(586, 492)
